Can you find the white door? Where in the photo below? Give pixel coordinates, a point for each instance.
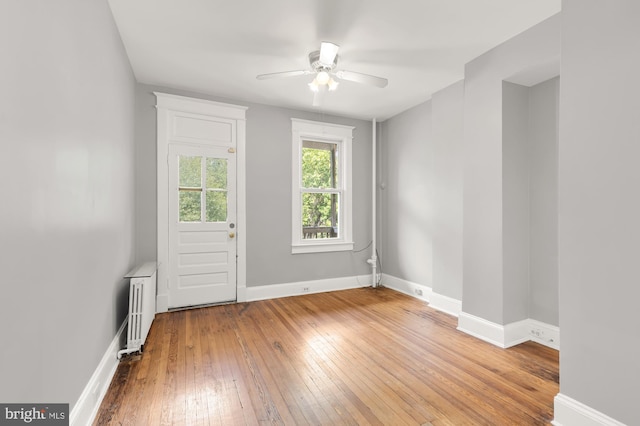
(202, 217)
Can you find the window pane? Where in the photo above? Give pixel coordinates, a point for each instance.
(190, 171)
(319, 215)
(216, 173)
(319, 165)
(189, 206)
(216, 206)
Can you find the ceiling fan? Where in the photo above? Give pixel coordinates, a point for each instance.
(323, 64)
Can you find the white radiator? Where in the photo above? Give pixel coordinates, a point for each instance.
(142, 306)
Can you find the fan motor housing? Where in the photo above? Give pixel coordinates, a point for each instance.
(316, 65)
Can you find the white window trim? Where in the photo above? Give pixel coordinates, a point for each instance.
(322, 132)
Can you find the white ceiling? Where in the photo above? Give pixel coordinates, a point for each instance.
(218, 47)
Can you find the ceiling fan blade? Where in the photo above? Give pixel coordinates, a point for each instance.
(283, 74)
(328, 52)
(362, 78)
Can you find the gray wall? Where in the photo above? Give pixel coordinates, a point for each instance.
(66, 163)
(426, 145)
(483, 263)
(599, 226)
(515, 202)
(447, 113)
(406, 202)
(269, 258)
(420, 168)
(543, 199)
(530, 206)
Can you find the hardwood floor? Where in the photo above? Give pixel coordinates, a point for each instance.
(355, 357)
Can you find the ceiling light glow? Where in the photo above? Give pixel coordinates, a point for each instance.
(323, 77)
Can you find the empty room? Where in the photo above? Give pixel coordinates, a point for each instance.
(354, 212)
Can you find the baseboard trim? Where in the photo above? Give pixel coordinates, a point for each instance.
(545, 334)
(86, 408)
(482, 329)
(446, 304)
(568, 412)
(275, 291)
(506, 336)
(419, 291)
(516, 333)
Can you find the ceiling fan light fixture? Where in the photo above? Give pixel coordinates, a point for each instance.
(323, 64)
(323, 77)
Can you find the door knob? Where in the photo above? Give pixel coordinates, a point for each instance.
(232, 234)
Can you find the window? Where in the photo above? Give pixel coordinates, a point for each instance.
(321, 209)
(202, 189)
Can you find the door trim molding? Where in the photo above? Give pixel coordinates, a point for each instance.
(167, 104)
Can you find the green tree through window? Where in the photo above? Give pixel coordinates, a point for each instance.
(195, 189)
(320, 197)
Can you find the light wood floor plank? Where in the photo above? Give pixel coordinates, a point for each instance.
(355, 357)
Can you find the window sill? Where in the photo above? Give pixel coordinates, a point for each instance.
(323, 247)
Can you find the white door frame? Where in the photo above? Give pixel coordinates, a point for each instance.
(170, 108)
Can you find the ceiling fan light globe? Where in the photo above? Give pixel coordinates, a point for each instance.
(323, 77)
(333, 85)
(313, 86)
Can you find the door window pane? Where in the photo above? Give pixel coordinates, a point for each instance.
(216, 173)
(216, 206)
(193, 194)
(320, 215)
(190, 207)
(319, 165)
(190, 172)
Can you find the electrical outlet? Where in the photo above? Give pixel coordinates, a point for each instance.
(305, 289)
(542, 334)
(418, 291)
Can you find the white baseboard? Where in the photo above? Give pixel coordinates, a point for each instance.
(86, 408)
(482, 329)
(545, 334)
(275, 291)
(442, 303)
(569, 412)
(446, 304)
(419, 291)
(506, 336)
(516, 333)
